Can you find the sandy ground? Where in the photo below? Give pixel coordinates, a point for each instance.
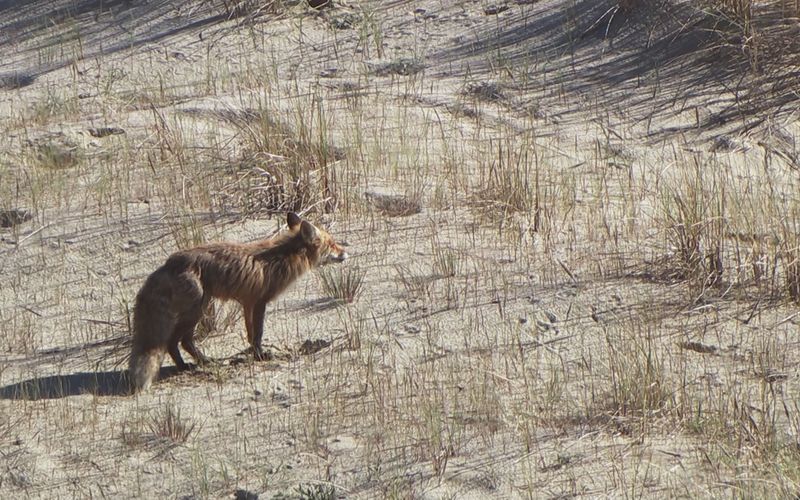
(491, 352)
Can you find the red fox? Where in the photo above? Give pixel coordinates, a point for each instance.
(172, 299)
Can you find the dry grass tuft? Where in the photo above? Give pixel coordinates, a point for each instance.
(639, 387)
(252, 9)
(486, 91)
(342, 283)
(394, 205)
(168, 423)
(288, 169)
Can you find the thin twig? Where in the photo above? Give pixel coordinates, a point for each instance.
(34, 233)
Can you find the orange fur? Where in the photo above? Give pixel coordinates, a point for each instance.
(172, 299)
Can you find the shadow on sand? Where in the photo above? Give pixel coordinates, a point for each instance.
(45, 35)
(60, 386)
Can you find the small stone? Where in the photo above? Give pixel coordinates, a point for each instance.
(242, 494)
(14, 217)
(100, 132)
(494, 9)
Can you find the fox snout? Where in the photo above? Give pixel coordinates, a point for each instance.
(338, 255)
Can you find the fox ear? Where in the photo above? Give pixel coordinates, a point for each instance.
(308, 232)
(292, 220)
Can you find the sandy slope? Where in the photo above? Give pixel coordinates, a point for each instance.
(502, 378)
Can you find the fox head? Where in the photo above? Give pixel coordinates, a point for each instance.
(321, 246)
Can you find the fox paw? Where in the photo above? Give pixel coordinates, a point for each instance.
(261, 355)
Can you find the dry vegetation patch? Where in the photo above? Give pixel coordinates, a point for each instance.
(573, 228)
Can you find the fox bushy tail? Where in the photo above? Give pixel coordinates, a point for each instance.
(144, 366)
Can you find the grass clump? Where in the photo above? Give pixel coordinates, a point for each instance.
(285, 167)
(344, 284)
(170, 424)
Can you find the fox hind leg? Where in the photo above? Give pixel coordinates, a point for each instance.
(189, 310)
(175, 354)
(187, 341)
(184, 334)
